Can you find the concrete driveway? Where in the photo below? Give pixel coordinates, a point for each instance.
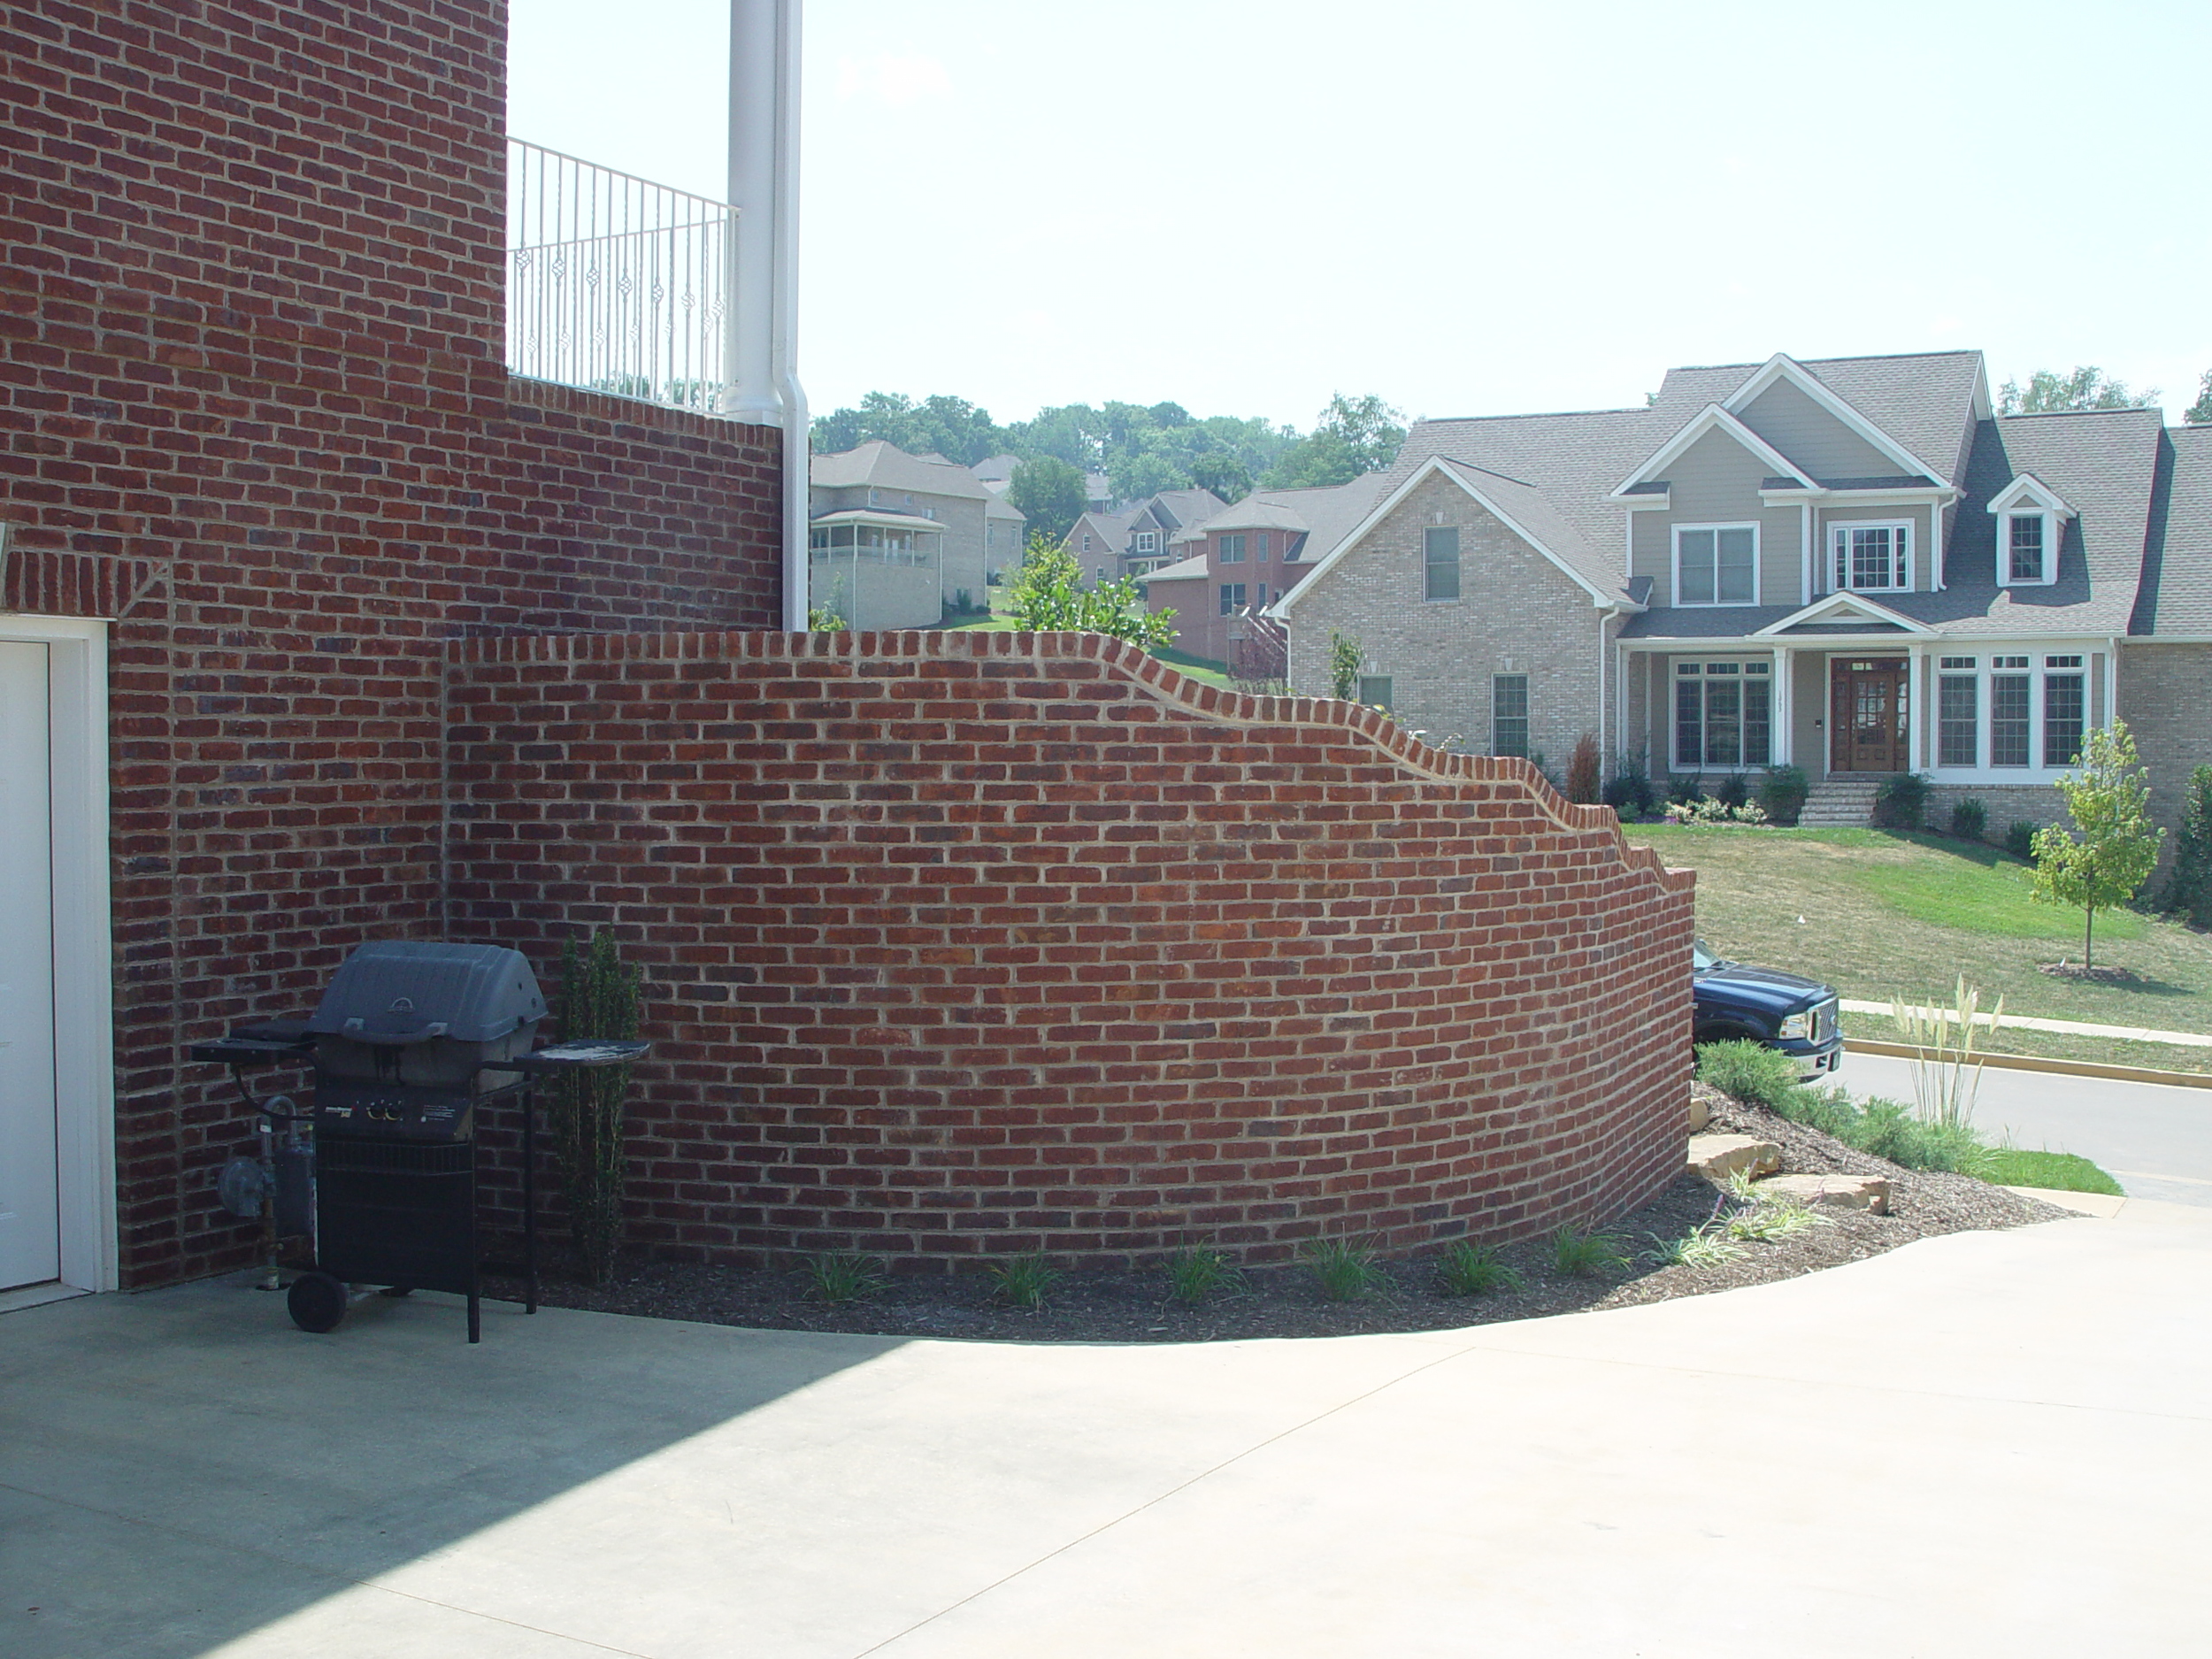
(2156, 1138)
(1983, 1444)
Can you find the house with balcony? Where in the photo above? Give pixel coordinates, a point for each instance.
(1853, 565)
(894, 540)
(1220, 575)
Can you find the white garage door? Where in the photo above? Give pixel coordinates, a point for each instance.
(30, 1206)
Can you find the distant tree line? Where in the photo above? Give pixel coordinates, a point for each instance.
(1142, 448)
(2049, 392)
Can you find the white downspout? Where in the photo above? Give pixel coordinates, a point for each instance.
(763, 386)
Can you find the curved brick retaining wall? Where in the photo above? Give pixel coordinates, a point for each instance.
(963, 944)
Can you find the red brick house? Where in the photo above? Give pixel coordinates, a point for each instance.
(263, 462)
(1225, 570)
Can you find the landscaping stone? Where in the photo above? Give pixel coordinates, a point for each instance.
(1717, 1158)
(1845, 1192)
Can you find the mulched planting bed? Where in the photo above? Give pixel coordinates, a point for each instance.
(1099, 1306)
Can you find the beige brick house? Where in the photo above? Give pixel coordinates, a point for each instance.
(1849, 565)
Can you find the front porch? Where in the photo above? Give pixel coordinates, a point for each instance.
(1971, 714)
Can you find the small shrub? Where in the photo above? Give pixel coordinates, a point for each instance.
(1345, 657)
(1969, 818)
(1344, 1268)
(1889, 1129)
(838, 1277)
(1472, 1270)
(1584, 767)
(1783, 792)
(1536, 759)
(1684, 791)
(1026, 1280)
(1699, 1249)
(1579, 1255)
(1192, 1275)
(1749, 1070)
(1629, 791)
(1733, 791)
(1903, 803)
(2020, 839)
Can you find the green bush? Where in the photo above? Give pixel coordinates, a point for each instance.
(1903, 803)
(1748, 1070)
(1782, 793)
(2189, 884)
(1684, 791)
(1969, 818)
(1629, 791)
(2020, 839)
(1733, 791)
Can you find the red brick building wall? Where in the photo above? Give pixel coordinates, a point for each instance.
(970, 943)
(253, 408)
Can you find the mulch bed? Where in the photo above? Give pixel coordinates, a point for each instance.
(2093, 976)
(1101, 1306)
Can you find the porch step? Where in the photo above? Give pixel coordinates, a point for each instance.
(1841, 803)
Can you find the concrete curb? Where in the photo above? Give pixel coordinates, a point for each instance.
(2037, 1063)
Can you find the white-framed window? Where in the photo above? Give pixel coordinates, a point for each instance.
(1716, 565)
(2065, 709)
(1508, 715)
(1148, 540)
(1958, 712)
(1086, 543)
(2010, 715)
(1440, 562)
(1723, 715)
(1871, 558)
(2024, 550)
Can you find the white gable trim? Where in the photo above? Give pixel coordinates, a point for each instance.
(1712, 416)
(1848, 607)
(1437, 464)
(1781, 366)
(2028, 487)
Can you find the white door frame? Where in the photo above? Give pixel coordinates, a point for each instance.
(84, 1009)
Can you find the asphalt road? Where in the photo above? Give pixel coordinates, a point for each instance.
(2155, 1138)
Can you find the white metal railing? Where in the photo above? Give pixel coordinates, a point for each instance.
(615, 284)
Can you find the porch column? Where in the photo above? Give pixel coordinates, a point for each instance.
(1782, 747)
(1916, 664)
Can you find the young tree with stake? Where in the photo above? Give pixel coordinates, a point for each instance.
(2112, 847)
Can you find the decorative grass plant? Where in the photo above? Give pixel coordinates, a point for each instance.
(1194, 1274)
(1344, 1268)
(1025, 1281)
(1468, 1269)
(1581, 1255)
(600, 998)
(838, 1277)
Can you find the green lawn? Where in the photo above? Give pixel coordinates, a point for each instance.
(2054, 1171)
(1887, 914)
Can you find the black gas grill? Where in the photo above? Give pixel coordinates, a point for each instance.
(411, 1044)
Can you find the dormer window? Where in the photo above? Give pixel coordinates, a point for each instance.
(1148, 540)
(2027, 535)
(1871, 558)
(2031, 524)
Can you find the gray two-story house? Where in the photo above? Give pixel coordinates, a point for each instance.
(1851, 565)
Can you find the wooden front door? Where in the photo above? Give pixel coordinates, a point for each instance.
(1867, 715)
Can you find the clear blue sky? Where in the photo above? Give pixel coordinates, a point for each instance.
(1469, 208)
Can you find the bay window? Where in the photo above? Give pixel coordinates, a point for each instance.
(1723, 715)
(1716, 565)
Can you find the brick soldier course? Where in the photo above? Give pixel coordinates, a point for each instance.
(970, 943)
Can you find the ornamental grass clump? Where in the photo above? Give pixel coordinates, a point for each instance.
(600, 998)
(1344, 1268)
(1194, 1274)
(1468, 1269)
(1583, 1254)
(838, 1277)
(1025, 1281)
(1697, 1248)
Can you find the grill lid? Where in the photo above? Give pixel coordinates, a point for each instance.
(407, 991)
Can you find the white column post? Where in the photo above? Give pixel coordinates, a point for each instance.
(1916, 664)
(1782, 752)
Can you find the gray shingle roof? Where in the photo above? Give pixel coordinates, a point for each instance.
(2176, 590)
(883, 466)
(1923, 399)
